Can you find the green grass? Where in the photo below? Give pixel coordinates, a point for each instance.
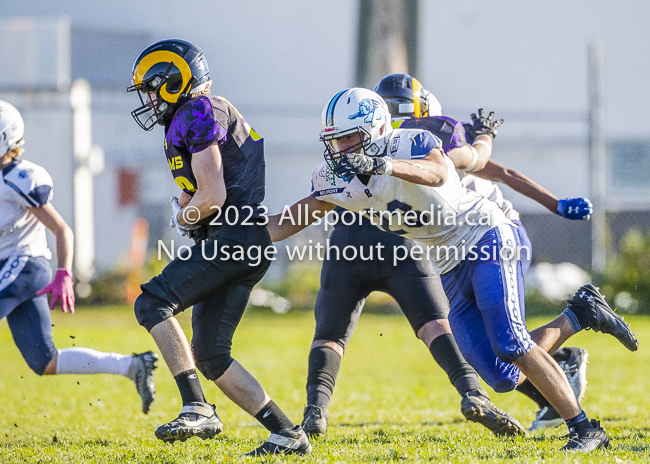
(391, 403)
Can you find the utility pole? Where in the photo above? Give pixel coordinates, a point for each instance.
(387, 39)
(597, 160)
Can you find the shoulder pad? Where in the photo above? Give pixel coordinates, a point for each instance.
(30, 181)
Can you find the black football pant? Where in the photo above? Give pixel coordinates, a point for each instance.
(217, 287)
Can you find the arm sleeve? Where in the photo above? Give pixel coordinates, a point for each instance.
(32, 184)
(423, 143)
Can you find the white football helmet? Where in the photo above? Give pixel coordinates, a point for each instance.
(354, 111)
(12, 128)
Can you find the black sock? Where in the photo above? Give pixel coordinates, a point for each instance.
(324, 365)
(190, 387)
(527, 388)
(272, 417)
(581, 421)
(577, 317)
(446, 353)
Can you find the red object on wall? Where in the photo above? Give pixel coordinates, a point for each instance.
(128, 187)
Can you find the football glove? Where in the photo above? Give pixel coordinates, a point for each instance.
(575, 208)
(61, 288)
(183, 231)
(354, 164)
(485, 125)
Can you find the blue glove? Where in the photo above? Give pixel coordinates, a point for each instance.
(575, 208)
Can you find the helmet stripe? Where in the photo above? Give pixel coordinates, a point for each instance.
(163, 56)
(330, 109)
(417, 93)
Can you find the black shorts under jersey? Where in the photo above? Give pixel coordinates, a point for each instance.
(345, 284)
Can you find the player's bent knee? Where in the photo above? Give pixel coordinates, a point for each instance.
(504, 385)
(151, 311)
(508, 353)
(39, 363)
(214, 367)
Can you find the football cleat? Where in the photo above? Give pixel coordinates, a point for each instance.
(141, 371)
(195, 420)
(585, 440)
(284, 442)
(575, 369)
(601, 317)
(314, 420)
(546, 418)
(477, 407)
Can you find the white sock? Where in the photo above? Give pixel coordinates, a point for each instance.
(88, 361)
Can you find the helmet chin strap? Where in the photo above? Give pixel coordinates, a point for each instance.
(186, 91)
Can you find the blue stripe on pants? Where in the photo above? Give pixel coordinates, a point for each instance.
(487, 307)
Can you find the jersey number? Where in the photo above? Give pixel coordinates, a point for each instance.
(413, 219)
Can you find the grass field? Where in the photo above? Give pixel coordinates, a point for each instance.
(392, 403)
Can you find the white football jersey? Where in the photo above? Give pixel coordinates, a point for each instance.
(492, 192)
(446, 216)
(24, 185)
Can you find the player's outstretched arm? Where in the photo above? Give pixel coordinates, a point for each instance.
(62, 287)
(570, 208)
(470, 158)
(430, 170)
(288, 223)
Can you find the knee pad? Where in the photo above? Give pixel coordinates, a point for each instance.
(150, 310)
(214, 367)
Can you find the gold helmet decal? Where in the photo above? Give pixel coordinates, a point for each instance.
(163, 56)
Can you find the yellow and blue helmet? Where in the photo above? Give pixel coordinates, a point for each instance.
(406, 98)
(164, 75)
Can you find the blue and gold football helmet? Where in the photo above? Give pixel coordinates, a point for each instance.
(164, 75)
(406, 98)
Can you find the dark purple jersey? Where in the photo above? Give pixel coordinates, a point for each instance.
(450, 131)
(204, 121)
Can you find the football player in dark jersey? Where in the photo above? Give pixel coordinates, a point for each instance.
(217, 160)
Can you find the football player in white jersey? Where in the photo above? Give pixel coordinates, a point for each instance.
(25, 211)
(413, 107)
(402, 179)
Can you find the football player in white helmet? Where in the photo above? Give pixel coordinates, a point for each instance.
(414, 285)
(469, 145)
(25, 276)
(475, 250)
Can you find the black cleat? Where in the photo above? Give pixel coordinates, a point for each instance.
(585, 440)
(477, 407)
(314, 420)
(284, 442)
(195, 420)
(601, 317)
(141, 371)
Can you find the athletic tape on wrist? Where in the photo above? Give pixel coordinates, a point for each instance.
(388, 169)
(471, 167)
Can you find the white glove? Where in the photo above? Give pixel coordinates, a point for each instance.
(183, 231)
